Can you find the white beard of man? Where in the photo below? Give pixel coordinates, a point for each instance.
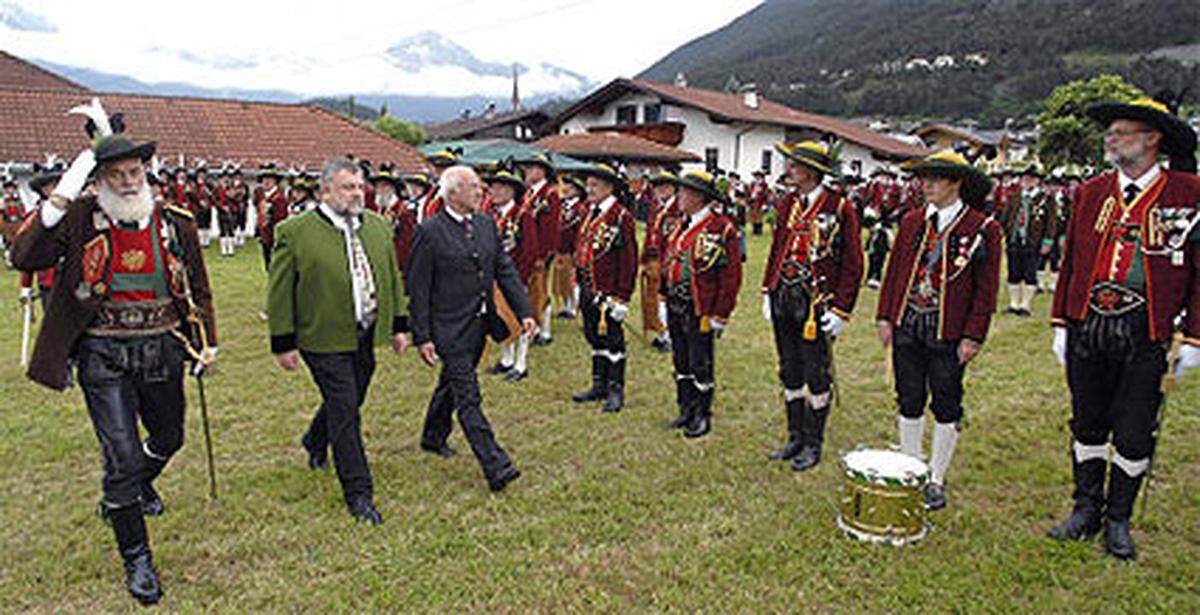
(132, 208)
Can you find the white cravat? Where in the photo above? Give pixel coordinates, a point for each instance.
(945, 215)
(362, 282)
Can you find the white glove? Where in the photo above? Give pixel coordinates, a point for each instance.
(767, 307)
(832, 324)
(662, 312)
(1060, 345)
(26, 294)
(207, 362)
(618, 311)
(71, 183)
(717, 325)
(1189, 357)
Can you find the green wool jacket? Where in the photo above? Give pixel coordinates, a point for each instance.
(309, 298)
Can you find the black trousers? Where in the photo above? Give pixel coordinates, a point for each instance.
(124, 379)
(1023, 260)
(266, 252)
(692, 356)
(227, 222)
(802, 363)
(1115, 374)
(612, 343)
(343, 378)
(458, 392)
(925, 367)
(878, 246)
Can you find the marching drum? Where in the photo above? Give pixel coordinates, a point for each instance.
(881, 497)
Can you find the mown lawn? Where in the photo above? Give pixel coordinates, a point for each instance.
(613, 513)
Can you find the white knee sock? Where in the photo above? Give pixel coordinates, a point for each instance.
(506, 354)
(1014, 296)
(912, 432)
(522, 352)
(1027, 291)
(547, 313)
(945, 435)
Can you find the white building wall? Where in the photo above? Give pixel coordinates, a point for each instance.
(739, 146)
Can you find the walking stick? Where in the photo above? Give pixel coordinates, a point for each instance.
(208, 448)
(1168, 383)
(26, 325)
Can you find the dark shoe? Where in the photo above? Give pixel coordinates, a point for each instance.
(542, 341)
(516, 376)
(565, 315)
(1117, 540)
(789, 450)
(599, 382)
(502, 478)
(1081, 525)
(499, 368)
(935, 496)
(152, 504)
(699, 427)
(442, 450)
(661, 345)
(318, 458)
(680, 421)
(806, 459)
(363, 509)
(615, 400)
(1012, 310)
(141, 579)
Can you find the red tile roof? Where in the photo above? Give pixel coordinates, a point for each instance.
(731, 107)
(615, 145)
(466, 127)
(35, 123)
(17, 74)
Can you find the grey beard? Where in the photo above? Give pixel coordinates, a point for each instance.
(126, 208)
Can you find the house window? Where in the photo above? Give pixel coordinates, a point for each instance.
(652, 113)
(711, 159)
(766, 161)
(627, 114)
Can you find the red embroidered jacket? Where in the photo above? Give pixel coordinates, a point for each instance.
(606, 254)
(546, 208)
(1170, 250)
(708, 257)
(967, 281)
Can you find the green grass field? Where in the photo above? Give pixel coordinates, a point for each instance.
(613, 513)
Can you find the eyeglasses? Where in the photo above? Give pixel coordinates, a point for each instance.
(1110, 134)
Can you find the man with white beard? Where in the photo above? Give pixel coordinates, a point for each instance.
(131, 283)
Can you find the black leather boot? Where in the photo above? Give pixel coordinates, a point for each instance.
(683, 398)
(795, 442)
(1122, 491)
(140, 577)
(1085, 518)
(701, 422)
(813, 434)
(599, 381)
(152, 503)
(615, 399)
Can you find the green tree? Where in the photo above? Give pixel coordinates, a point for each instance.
(1067, 134)
(400, 130)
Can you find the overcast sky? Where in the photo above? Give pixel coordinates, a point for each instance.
(601, 39)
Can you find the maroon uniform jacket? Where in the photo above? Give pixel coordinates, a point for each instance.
(546, 208)
(606, 254)
(658, 227)
(1170, 251)
(571, 215)
(81, 246)
(837, 260)
(403, 216)
(968, 277)
(272, 210)
(711, 253)
(518, 237)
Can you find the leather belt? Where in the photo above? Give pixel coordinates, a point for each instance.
(1112, 299)
(134, 319)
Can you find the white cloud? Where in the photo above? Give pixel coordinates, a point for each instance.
(322, 48)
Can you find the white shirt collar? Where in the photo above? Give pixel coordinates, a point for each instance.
(337, 219)
(504, 208)
(1142, 182)
(454, 215)
(699, 216)
(534, 189)
(605, 204)
(946, 215)
(669, 202)
(812, 197)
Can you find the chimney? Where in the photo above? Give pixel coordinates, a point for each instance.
(516, 95)
(680, 80)
(750, 95)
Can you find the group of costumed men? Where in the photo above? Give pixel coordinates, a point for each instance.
(131, 302)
